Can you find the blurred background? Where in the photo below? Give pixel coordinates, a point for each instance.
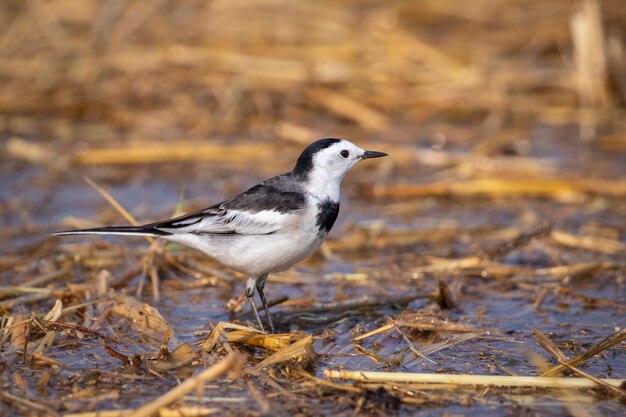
(498, 115)
(105, 87)
(103, 74)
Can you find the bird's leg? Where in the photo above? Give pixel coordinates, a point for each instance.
(250, 287)
(260, 285)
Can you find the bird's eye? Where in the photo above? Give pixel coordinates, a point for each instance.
(344, 153)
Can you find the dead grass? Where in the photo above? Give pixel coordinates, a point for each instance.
(494, 233)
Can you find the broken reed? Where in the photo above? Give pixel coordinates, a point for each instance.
(463, 379)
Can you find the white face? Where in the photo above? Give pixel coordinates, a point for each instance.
(331, 164)
(336, 160)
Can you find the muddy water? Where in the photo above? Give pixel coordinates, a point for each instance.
(36, 199)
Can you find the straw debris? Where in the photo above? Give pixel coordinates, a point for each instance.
(146, 320)
(474, 380)
(504, 125)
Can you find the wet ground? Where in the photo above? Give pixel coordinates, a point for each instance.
(490, 242)
(390, 277)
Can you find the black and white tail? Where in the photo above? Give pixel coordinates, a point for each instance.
(147, 230)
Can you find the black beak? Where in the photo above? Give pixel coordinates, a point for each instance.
(373, 154)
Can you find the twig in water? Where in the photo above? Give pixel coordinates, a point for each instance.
(540, 298)
(374, 332)
(373, 356)
(520, 240)
(604, 344)
(325, 382)
(262, 402)
(47, 277)
(612, 388)
(30, 298)
(444, 299)
(363, 302)
(79, 328)
(231, 363)
(436, 347)
(27, 403)
(183, 411)
(467, 379)
(118, 355)
(413, 349)
(8, 291)
(548, 345)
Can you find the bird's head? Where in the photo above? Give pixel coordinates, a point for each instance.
(324, 163)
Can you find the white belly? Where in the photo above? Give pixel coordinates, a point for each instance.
(255, 255)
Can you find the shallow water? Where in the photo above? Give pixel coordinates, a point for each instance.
(36, 200)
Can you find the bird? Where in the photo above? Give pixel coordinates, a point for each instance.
(269, 227)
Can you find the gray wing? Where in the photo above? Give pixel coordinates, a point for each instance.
(263, 209)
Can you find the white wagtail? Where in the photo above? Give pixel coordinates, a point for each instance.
(271, 226)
